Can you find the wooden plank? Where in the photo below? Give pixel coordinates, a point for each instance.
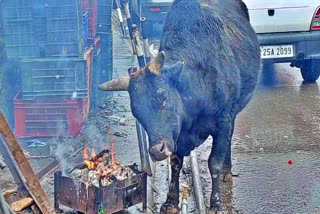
(21, 204)
(48, 169)
(32, 180)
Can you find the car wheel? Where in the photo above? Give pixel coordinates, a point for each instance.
(310, 71)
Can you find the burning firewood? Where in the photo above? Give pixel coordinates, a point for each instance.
(102, 169)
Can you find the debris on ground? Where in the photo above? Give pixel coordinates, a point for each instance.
(6, 193)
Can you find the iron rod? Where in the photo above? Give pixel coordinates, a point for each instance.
(129, 23)
(143, 21)
(197, 183)
(143, 144)
(123, 30)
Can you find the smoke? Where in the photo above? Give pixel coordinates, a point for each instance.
(92, 136)
(65, 148)
(95, 138)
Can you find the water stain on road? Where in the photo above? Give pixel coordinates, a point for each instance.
(281, 123)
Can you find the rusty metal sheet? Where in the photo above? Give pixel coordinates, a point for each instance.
(70, 193)
(114, 198)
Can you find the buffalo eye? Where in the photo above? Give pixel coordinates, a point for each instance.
(160, 101)
(163, 99)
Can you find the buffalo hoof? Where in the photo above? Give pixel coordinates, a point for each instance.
(226, 176)
(168, 208)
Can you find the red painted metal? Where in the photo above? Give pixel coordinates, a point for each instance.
(155, 9)
(97, 42)
(88, 54)
(84, 4)
(36, 119)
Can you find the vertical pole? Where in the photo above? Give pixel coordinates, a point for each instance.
(145, 39)
(57, 177)
(138, 46)
(184, 203)
(143, 145)
(129, 23)
(123, 30)
(144, 203)
(197, 183)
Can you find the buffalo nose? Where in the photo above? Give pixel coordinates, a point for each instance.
(159, 151)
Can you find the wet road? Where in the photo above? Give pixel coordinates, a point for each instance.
(281, 123)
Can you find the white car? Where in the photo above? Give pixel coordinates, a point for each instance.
(288, 31)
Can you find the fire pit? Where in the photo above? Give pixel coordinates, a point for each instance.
(100, 184)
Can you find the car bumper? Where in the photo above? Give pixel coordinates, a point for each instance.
(306, 45)
(155, 16)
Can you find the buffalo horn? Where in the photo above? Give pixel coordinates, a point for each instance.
(120, 84)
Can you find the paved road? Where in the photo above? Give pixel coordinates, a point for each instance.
(281, 123)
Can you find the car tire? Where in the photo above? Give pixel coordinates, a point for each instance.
(310, 71)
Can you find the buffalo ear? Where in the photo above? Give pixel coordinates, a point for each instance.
(157, 63)
(176, 70)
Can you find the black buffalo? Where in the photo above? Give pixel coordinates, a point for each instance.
(204, 75)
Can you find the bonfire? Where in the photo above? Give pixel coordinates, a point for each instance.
(101, 169)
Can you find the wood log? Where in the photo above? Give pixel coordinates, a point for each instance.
(21, 204)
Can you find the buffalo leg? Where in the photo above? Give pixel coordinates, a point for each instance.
(171, 206)
(220, 146)
(226, 174)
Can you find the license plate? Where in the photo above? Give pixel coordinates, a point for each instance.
(277, 51)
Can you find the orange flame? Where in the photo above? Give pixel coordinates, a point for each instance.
(90, 164)
(85, 153)
(93, 155)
